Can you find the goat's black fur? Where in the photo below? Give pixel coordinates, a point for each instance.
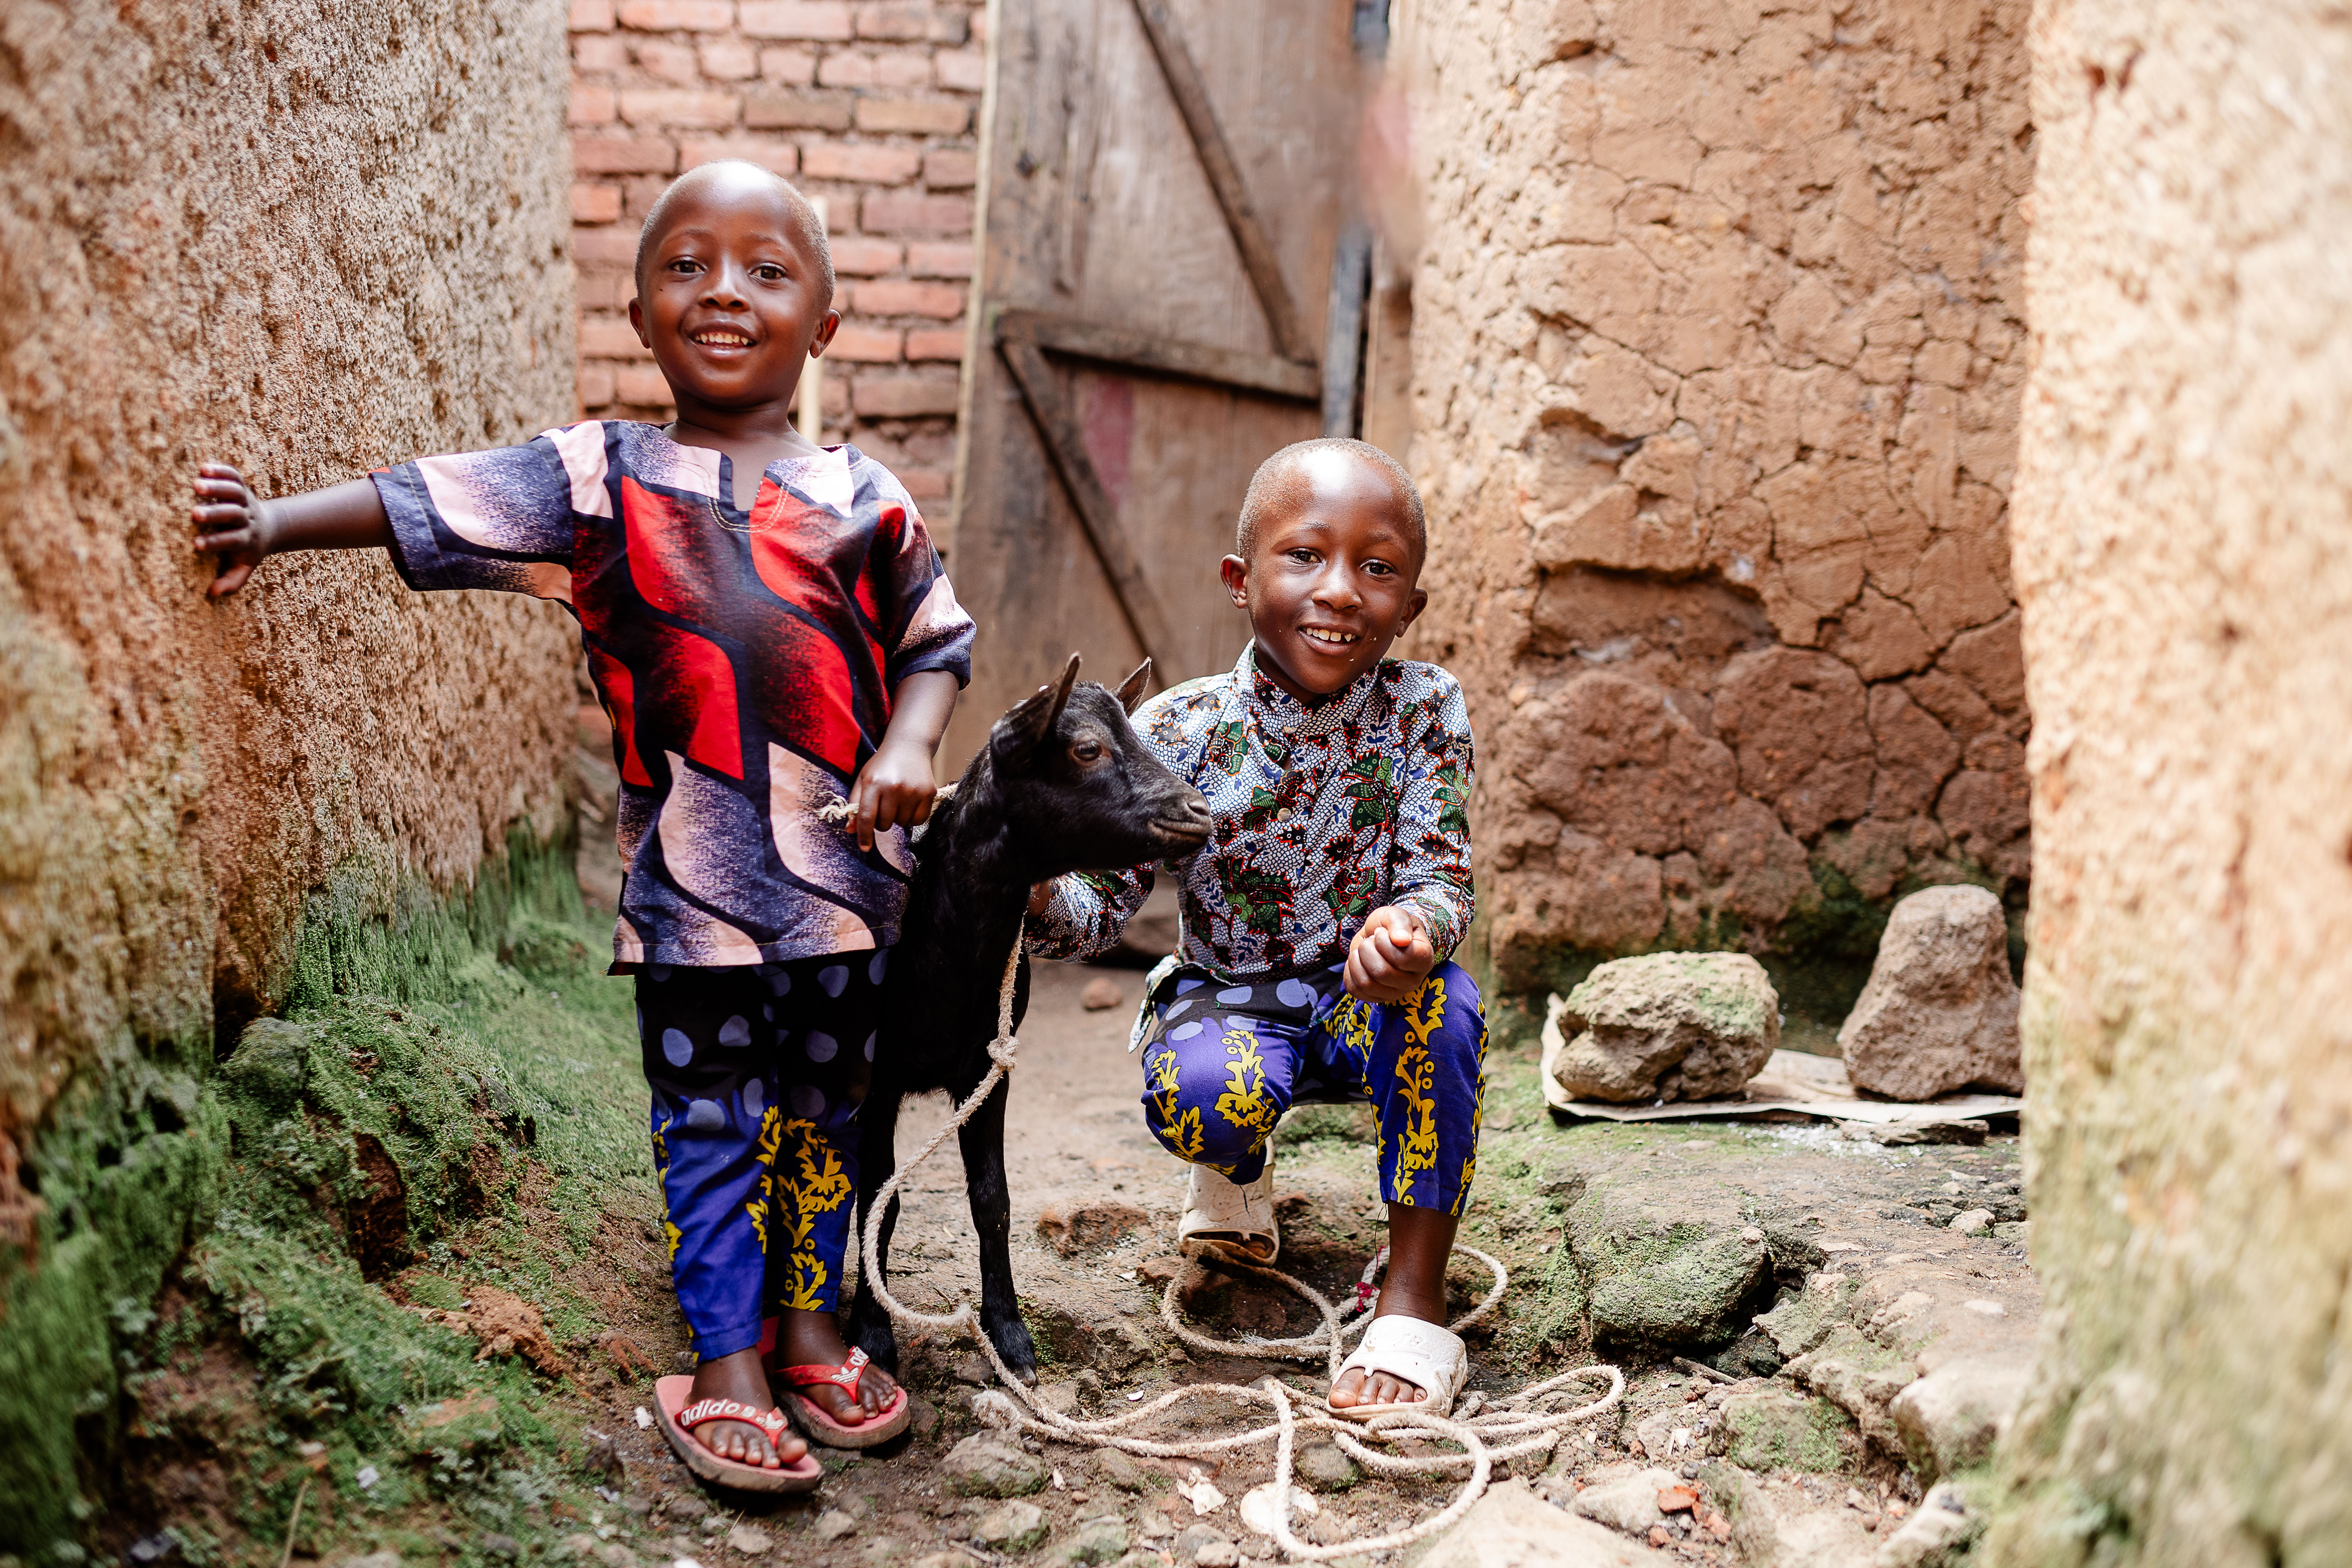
(1064, 785)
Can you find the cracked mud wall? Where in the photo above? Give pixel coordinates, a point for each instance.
(308, 237)
(2184, 560)
(1717, 348)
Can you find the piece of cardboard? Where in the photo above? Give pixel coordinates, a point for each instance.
(1792, 1081)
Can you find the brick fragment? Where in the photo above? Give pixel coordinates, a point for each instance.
(951, 168)
(595, 203)
(914, 116)
(670, 106)
(886, 212)
(904, 395)
(624, 154)
(597, 52)
(592, 105)
(936, 343)
(595, 385)
(896, 21)
(863, 344)
(788, 65)
(860, 256)
(771, 154)
(941, 258)
(613, 247)
(897, 297)
(603, 337)
(592, 16)
(641, 386)
(866, 162)
(822, 20)
(797, 112)
(961, 70)
(673, 63)
(729, 59)
(678, 16)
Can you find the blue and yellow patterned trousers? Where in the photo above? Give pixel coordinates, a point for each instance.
(757, 1074)
(1221, 1062)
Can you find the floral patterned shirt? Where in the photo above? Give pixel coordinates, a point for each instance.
(1324, 813)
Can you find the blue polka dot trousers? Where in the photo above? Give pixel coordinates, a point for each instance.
(757, 1074)
(1223, 1061)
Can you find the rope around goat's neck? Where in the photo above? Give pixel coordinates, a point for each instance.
(839, 813)
(1514, 1427)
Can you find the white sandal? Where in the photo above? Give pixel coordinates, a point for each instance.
(1428, 1355)
(1230, 1219)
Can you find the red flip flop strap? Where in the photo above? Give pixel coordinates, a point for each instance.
(844, 1377)
(703, 1412)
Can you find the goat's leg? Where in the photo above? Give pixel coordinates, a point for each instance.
(991, 1217)
(869, 1326)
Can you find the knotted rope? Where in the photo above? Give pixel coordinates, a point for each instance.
(1516, 1425)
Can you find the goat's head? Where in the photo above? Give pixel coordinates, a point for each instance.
(1078, 789)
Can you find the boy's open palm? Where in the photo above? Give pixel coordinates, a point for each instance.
(1390, 957)
(228, 526)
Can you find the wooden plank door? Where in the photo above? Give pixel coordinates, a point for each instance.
(1165, 187)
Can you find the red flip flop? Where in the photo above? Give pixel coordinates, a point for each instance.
(810, 1417)
(681, 1413)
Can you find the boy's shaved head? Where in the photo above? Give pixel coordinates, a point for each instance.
(735, 177)
(1287, 478)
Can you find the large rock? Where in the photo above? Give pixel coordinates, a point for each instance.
(1660, 1269)
(1511, 1527)
(1950, 1419)
(1940, 1010)
(1672, 1025)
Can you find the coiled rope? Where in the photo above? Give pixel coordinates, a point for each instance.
(1512, 1426)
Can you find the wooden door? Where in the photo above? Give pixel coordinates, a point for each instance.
(1170, 289)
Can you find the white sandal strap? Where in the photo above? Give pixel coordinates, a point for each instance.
(1217, 1207)
(1430, 1356)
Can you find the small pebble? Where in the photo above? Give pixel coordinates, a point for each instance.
(751, 1542)
(833, 1524)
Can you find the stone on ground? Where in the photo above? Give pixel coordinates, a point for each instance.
(1771, 1429)
(1102, 1540)
(1511, 1527)
(1951, 1419)
(1323, 1467)
(1089, 1225)
(1101, 994)
(751, 1542)
(1665, 1263)
(833, 1524)
(1671, 1026)
(1201, 1546)
(1121, 1471)
(1625, 1497)
(982, 1466)
(1015, 1527)
(1940, 1010)
(1860, 1376)
(1937, 1535)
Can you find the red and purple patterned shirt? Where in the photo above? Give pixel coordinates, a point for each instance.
(746, 660)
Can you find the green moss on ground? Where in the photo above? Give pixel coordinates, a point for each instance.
(233, 1264)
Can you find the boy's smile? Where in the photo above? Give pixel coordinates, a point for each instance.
(1329, 581)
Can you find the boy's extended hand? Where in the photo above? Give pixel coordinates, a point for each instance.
(228, 522)
(893, 790)
(1390, 957)
(238, 527)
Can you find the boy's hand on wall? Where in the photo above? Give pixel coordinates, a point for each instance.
(228, 526)
(1390, 957)
(893, 790)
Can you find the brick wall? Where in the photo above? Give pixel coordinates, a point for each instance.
(872, 106)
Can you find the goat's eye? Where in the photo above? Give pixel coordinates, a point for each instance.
(1086, 750)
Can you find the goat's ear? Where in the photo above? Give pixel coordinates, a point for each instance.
(1029, 720)
(1130, 690)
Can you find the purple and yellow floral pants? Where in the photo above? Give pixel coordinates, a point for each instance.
(1223, 1061)
(757, 1073)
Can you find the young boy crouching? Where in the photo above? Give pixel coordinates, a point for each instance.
(1336, 878)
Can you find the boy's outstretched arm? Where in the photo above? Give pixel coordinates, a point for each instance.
(893, 788)
(238, 528)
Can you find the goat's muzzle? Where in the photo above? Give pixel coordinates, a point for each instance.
(1186, 828)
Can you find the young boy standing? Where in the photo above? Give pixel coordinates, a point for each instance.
(1336, 878)
(768, 630)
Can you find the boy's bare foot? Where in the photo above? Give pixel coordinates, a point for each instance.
(741, 1377)
(1418, 1242)
(814, 1338)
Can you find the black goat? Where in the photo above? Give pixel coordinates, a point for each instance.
(1064, 785)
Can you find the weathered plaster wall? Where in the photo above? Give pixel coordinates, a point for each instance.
(2183, 530)
(1715, 356)
(307, 236)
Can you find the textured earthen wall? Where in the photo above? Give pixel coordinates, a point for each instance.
(873, 106)
(2183, 532)
(1716, 350)
(306, 236)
